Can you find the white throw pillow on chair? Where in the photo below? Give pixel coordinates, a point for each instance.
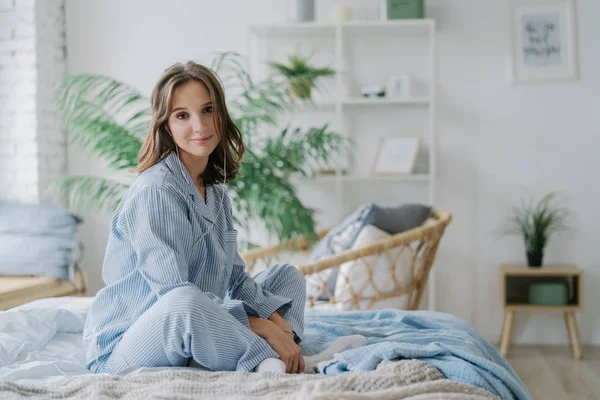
(357, 276)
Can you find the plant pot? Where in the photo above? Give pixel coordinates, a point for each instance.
(534, 259)
(301, 10)
(300, 88)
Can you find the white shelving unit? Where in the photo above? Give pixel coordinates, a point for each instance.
(405, 38)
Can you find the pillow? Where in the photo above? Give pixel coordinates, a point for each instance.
(37, 219)
(342, 236)
(37, 239)
(338, 239)
(392, 219)
(48, 256)
(353, 276)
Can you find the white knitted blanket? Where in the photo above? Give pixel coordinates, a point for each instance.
(406, 379)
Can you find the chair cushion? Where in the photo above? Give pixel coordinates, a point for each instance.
(353, 277)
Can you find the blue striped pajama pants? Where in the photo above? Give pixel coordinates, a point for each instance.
(186, 324)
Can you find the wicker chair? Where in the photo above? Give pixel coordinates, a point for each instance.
(421, 243)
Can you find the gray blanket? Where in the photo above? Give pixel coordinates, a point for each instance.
(406, 379)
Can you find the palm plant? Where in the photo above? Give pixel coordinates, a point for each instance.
(537, 223)
(109, 119)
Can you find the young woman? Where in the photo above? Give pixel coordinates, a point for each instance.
(176, 288)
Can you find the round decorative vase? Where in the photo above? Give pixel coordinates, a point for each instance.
(534, 259)
(301, 10)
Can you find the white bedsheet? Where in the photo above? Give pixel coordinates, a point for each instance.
(41, 341)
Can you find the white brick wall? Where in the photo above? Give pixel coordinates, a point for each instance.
(32, 60)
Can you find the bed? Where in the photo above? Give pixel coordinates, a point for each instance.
(409, 355)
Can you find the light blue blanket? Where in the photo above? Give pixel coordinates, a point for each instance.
(448, 343)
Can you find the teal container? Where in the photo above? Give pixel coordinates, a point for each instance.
(402, 9)
(548, 293)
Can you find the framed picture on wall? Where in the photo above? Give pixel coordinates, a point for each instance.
(542, 41)
(396, 155)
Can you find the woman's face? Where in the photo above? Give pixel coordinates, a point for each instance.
(191, 119)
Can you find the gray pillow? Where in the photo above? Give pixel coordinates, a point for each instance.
(392, 219)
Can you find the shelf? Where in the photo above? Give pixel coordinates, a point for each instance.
(546, 270)
(395, 26)
(516, 281)
(405, 46)
(374, 178)
(316, 105)
(320, 28)
(535, 307)
(359, 101)
(386, 101)
(299, 28)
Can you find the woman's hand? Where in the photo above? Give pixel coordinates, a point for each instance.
(282, 342)
(282, 323)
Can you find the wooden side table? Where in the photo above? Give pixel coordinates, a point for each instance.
(515, 285)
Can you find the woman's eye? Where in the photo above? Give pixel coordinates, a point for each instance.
(181, 115)
(208, 109)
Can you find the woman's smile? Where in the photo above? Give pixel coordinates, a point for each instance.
(201, 140)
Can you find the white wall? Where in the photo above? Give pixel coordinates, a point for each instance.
(548, 131)
(32, 59)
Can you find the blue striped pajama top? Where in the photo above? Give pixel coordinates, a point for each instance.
(152, 249)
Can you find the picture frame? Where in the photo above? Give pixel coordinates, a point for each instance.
(398, 86)
(396, 156)
(542, 41)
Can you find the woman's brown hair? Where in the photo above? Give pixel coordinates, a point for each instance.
(159, 142)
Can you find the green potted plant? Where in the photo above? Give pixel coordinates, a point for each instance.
(536, 223)
(300, 75)
(109, 119)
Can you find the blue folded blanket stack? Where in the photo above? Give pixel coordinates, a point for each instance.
(37, 239)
